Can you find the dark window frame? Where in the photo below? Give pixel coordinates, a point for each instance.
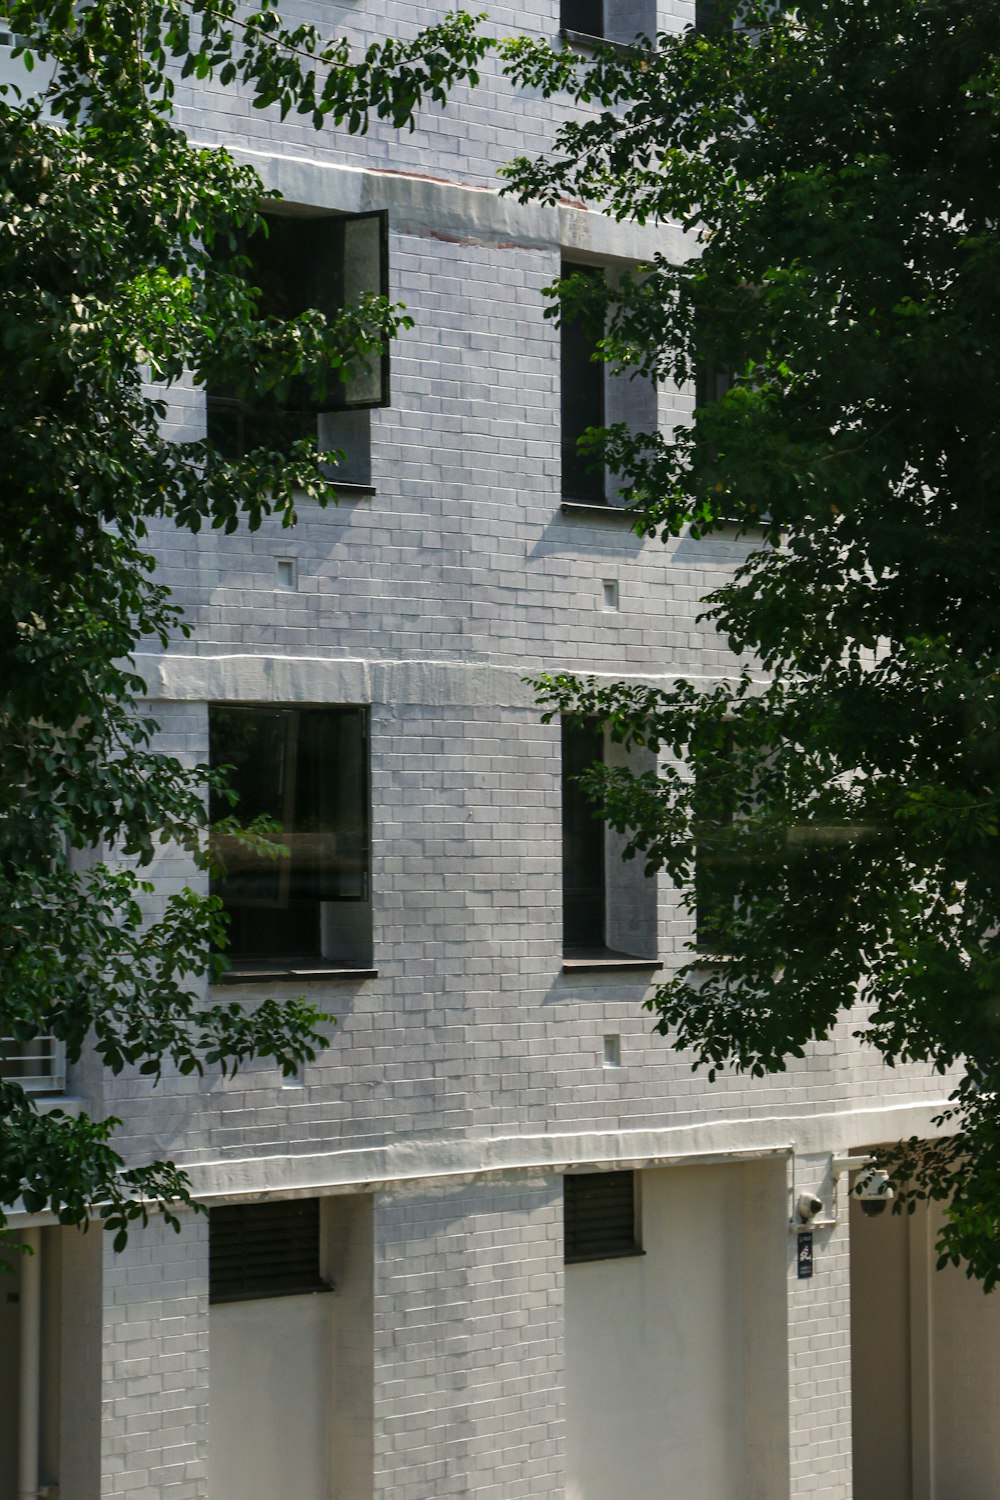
(582, 402)
(326, 828)
(589, 24)
(584, 874)
(719, 871)
(712, 381)
(238, 420)
(609, 916)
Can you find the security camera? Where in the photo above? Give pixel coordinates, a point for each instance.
(874, 1192)
(809, 1206)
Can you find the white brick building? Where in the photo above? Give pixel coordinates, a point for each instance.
(432, 1341)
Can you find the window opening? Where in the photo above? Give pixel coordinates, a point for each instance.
(712, 381)
(582, 402)
(609, 903)
(584, 16)
(302, 262)
(306, 772)
(599, 1213)
(720, 863)
(264, 1250)
(619, 22)
(39, 1065)
(584, 894)
(708, 18)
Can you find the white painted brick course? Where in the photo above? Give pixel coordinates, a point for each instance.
(468, 1330)
(155, 1364)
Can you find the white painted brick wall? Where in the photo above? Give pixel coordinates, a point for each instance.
(468, 1341)
(819, 1350)
(155, 1364)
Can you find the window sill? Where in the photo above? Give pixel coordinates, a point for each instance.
(705, 958)
(590, 510)
(744, 523)
(585, 40)
(350, 490)
(268, 973)
(43, 1103)
(265, 1294)
(589, 1260)
(608, 962)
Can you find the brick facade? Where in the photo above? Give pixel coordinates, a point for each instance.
(463, 1080)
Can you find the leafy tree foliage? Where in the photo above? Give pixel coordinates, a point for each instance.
(120, 266)
(832, 809)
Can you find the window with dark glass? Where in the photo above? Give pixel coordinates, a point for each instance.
(712, 382)
(708, 18)
(719, 861)
(583, 16)
(582, 402)
(583, 840)
(264, 1250)
(615, 21)
(599, 1216)
(304, 771)
(301, 262)
(609, 902)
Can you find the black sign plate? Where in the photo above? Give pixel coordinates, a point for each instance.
(805, 1256)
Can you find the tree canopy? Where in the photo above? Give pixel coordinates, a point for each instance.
(121, 271)
(830, 810)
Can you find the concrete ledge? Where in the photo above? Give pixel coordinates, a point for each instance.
(417, 1164)
(280, 975)
(614, 964)
(250, 677)
(445, 209)
(588, 510)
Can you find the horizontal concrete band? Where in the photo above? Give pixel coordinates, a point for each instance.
(447, 210)
(261, 678)
(421, 1164)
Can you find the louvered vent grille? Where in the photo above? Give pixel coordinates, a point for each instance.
(264, 1250)
(600, 1216)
